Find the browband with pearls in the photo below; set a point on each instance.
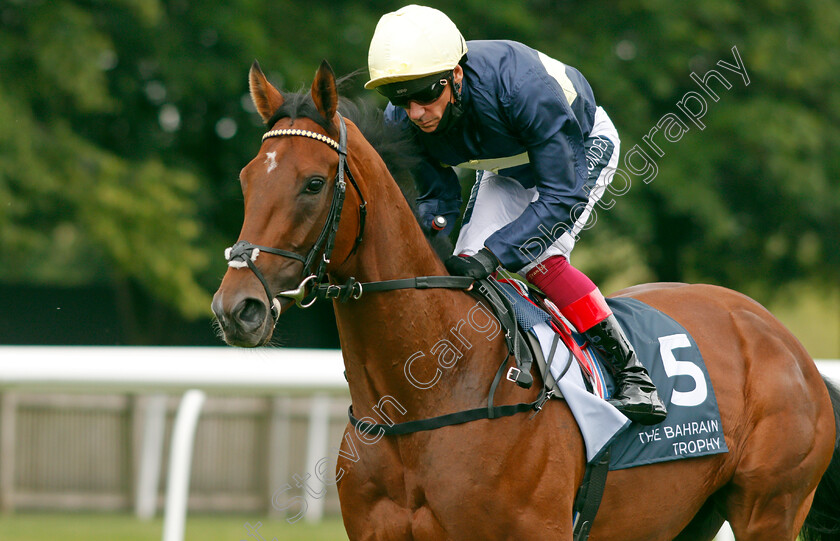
(303, 133)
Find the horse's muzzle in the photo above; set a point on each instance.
(247, 323)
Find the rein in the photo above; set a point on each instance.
(244, 253)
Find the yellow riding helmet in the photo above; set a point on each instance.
(413, 42)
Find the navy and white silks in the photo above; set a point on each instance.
(544, 150)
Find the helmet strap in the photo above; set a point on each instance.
(453, 110)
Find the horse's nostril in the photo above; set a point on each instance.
(251, 313)
(218, 309)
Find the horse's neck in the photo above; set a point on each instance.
(450, 360)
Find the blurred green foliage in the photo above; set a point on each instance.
(124, 124)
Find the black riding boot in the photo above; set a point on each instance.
(635, 394)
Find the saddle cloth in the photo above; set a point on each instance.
(672, 358)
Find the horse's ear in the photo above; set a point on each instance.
(324, 91)
(267, 99)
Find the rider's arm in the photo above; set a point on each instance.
(438, 189)
(537, 111)
(439, 194)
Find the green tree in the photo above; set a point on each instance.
(751, 200)
(75, 209)
(124, 124)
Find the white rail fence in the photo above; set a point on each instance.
(156, 371)
(29, 375)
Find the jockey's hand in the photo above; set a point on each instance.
(478, 266)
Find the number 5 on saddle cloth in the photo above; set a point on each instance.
(692, 427)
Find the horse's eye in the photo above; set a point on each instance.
(315, 185)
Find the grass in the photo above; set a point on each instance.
(124, 527)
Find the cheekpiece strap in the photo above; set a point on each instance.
(244, 253)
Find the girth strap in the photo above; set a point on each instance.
(588, 498)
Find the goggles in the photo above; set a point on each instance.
(423, 91)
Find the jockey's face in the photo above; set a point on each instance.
(428, 116)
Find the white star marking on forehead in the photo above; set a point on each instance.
(271, 160)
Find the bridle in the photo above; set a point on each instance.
(245, 253)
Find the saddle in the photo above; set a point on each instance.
(533, 330)
(519, 307)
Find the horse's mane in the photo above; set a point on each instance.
(399, 151)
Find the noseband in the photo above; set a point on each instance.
(244, 253)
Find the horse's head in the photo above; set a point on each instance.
(291, 191)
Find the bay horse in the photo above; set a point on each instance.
(513, 477)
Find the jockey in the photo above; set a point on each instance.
(544, 153)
